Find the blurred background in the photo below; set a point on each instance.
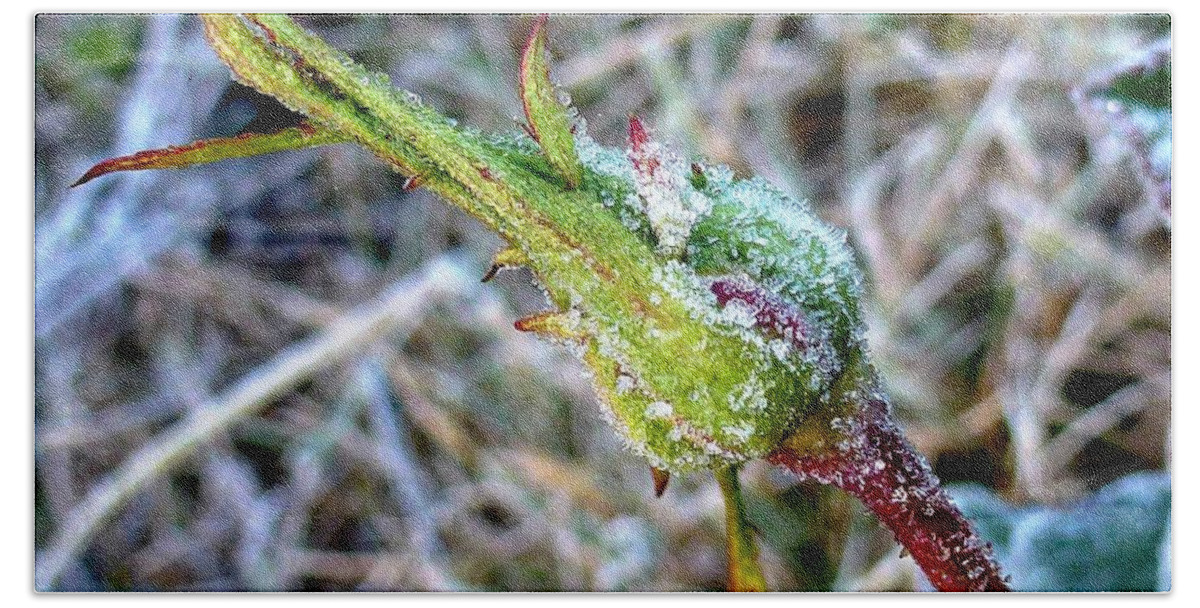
(196, 428)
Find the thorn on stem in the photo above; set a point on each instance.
(646, 161)
(551, 324)
(491, 273)
(412, 183)
(528, 130)
(509, 257)
(637, 133)
(661, 478)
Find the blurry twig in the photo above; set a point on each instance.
(1059, 451)
(401, 305)
(408, 482)
(91, 242)
(622, 51)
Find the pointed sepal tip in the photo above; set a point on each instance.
(546, 114)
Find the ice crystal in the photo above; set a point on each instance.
(668, 200)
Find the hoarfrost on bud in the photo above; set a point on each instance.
(659, 409)
(736, 331)
(661, 180)
(625, 383)
(740, 433)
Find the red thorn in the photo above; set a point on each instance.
(491, 273)
(530, 323)
(486, 173)
(645, 162)
(528, 131)
(412, 183)
(91, 174)
(661, 478)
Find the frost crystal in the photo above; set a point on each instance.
(659, 409)
(740, 433)
(625, 383)
(669, 202)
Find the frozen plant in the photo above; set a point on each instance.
(719, 318)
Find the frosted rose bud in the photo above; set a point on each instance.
(747, 327)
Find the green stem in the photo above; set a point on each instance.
(740, 547)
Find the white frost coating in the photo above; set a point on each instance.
(625, 383)
(611, 162)
(659, 409)
(740, 433)
(784, 248)
(740, 231)
(737, 312)
(753, 395)
(818, 361)
(669, 201)
(782, 349)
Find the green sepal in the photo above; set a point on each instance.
(547, 115)
(214, 150)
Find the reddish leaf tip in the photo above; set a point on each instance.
(91, 174)
(212, 150)
(537, 31)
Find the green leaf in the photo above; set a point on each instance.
(547, 115)
(1111, 541)
(214, 150)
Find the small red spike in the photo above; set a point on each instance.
(645, 162)
(661, 478)
(637, 133)
(412, 183)
(491, 273)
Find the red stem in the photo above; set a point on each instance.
(878, 466)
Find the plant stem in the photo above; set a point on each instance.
(740, 548)
(879, 467)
